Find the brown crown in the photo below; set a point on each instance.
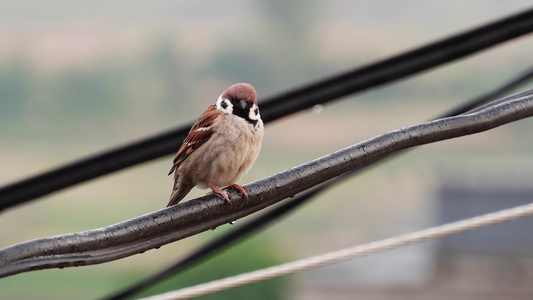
(241, 91)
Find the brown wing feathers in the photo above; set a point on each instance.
(199, 134)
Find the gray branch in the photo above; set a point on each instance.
(189, 218)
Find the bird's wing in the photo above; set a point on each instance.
(200, 133)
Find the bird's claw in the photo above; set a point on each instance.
(226, 195)
(241, 189)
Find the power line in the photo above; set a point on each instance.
(246, 229)
(155, 229)
(348, 253)
(221, 242)
(276, 107)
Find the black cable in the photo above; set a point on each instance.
(275, 107)
(494, 94)
(403, 65)
(281, 210)
(218, 244)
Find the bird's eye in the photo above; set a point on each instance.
(242, 104)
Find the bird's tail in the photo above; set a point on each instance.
(177, 195)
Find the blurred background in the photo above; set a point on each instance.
(78, 78)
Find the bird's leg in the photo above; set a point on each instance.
(225, 195)
(241, 189)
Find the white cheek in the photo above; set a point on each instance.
(229, 106)
(252, 115)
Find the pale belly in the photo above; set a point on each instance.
(225, 163)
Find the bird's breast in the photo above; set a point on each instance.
(229, 154)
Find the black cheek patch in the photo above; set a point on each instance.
(243, 112)
(224, 104)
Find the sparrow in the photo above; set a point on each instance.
(221, 146)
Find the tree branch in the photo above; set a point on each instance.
(174, 223)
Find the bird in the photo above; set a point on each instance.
(221, 146)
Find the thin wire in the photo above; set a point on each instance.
(223, 241)
(494, 94)
(348, 253)
(379, 73)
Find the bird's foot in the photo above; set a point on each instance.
(225, 195)
(241, 189)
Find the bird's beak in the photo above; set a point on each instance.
(242, 104)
